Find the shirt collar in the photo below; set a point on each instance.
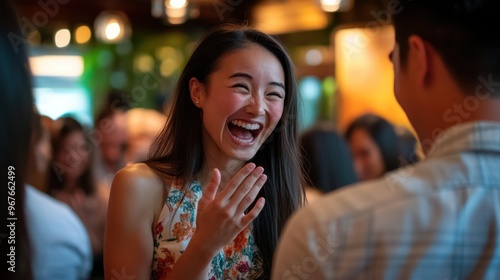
(474, 136)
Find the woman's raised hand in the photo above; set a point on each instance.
(222, 216)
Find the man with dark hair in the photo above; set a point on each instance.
(440, 218)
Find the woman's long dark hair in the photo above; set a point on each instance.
(16, 122)
(86, 182)
(178, 150)
(383, 134)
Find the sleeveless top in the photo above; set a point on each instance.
(176, 224)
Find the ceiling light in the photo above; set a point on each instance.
(82, 34)
(176, 11)
(330, 5)
(62, 38)
(112, 27)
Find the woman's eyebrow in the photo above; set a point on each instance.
(248, 76)
(241, 74)
(277, 84)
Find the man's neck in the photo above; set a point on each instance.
(463, 109)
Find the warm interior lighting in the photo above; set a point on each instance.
(112, 27)
(62, 38)
(176, 16)
(289, 16)
(365, 74)
(167, 67)
(177, 4)
(176, 11)
(330, 5)
(57, 65)
(313, 57)
(144, 63)
(113, 30)
(83, 34)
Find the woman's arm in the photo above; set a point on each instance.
(136, 195)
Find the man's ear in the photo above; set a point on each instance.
(197, 92)
(419, 53)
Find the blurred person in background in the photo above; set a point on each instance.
(409, 149)
(143, 125)
(440, 217)
(61, 246)
(374, 146)
(50, 241)
(39, 161)
(327, 162)
(112, 137)
(71, 181)
(17, 104)
(71, 171)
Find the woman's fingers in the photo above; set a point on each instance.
(239, 193)
(246, 199)
(248, 218)
(246, 186)
(224, 212)
(236, 181)
(210, 190)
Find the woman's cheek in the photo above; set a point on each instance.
(276, 113)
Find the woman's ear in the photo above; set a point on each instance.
(197, 92)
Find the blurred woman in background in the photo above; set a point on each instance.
(374, 146)
(71, 181)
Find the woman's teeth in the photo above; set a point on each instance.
(246, 125)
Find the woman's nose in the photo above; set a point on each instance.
(255, 106)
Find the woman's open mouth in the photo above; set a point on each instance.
(244, 132)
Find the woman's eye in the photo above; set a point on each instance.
(275, 94)
(241, 86)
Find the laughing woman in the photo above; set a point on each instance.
(224, 173)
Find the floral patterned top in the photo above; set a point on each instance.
(240, 259)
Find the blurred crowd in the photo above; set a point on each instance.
(370, 147)
(76, 164)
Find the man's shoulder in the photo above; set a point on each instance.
(51, 215)
(39, 203)
(61, 245)
(366, 197)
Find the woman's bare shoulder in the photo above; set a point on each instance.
(139, 175)
(139, 186)
(138, 170)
